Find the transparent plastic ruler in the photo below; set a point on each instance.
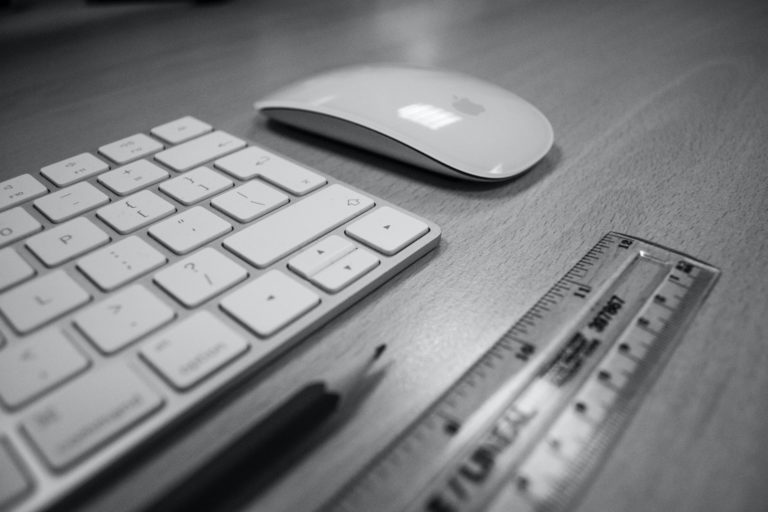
(528, 425)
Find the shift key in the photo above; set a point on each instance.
(89, 412)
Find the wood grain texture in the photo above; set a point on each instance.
(660, 111)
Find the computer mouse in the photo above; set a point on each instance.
(443, 121)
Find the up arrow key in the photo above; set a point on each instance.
(320, 255)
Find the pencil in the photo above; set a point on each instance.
(285, 425)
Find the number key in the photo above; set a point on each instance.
(130, 148)
(19, 189)
(73, 169)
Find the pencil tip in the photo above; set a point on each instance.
(351, 379)
(379, 350)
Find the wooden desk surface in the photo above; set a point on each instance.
(660, 111)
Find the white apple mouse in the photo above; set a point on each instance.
(443, 121)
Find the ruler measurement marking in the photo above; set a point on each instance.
(677, 282)
(574, 282)
(572, 351)
(644, 324)
(665, 306)
(612, 424)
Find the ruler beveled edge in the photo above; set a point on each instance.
(653, 369)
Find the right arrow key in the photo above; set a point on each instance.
(387, 230)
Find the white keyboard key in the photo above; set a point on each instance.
(67, 241)
(14, 482)
(136, 211)
(19, 189)
(88, 412)
(44, 298)
(16, 223)
(254, 161)
(71, 201)
(198, 151)
(199, 277)
(189, 230)
(123, 318)
(132, 177)
(195, 185)
(73, 169)
(246, 163)
(249, 201)
(288, 229)
(181, 129)
(270, 302)
(13, 269)
(130, 148)
(193, 349)
(123, 261)
(387, 230)
(311, 261)
(37, 364)
(291, 177)
(345, 271)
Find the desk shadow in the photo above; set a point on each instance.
(518, 184)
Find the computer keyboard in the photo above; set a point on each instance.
(138, 280)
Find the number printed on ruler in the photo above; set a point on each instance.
(550, 396)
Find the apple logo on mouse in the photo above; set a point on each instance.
(467, 106)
